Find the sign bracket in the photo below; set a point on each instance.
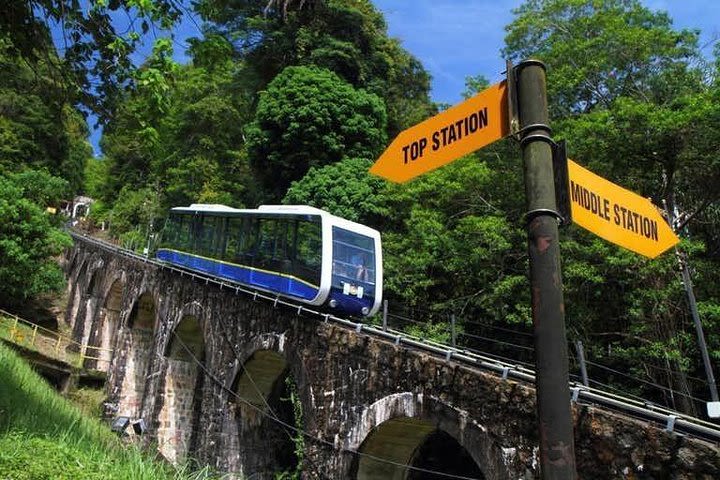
(512, 102)
(560, 172)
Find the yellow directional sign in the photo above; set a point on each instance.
(616, 214)
(449, 135)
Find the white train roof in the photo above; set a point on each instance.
(281, 209)
(218, 208)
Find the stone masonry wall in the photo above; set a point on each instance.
(349, 385)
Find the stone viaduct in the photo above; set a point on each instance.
(241, 384)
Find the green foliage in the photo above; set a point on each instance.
(187, 147)
(38, 127)
(135, 209)
(309, 117)
(29, 236)
(348, 38)
(44, 436)
(97, 57)
(344, 188)
(298, 437)
(436, 332)
(96, 173)
(599, 51)
(452, 241)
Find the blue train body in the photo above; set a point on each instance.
(298, 252)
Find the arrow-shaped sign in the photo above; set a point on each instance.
(447, 136)
(616, 214)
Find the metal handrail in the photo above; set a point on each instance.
(52, 335)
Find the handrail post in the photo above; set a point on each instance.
(581, 360)
(34, 334)
(13, 329)
(452, 329)
(385, 314)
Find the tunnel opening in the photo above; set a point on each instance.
(406, 448)
(268, 415)
(442, 453)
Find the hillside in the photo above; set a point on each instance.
(42, 435)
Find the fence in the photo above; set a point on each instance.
(51, 343)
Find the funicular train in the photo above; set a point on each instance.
(299, 252)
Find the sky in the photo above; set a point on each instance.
(455, 39)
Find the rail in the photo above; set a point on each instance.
(670, 420)
(48, 342)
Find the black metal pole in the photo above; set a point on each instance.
(557, 450)
(688, 285)
(689, 291)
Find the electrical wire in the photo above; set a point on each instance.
(317, 440)
(522, 347)
(661, 387)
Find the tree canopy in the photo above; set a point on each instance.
(309, 117)
(292, 100)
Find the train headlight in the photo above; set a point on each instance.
(332, 303)
(365, 310)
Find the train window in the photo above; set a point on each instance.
(183, 239)
(265, 242)
(207, 231)
(171, 232)
(177, 232)
(280, 253)
(232, 239)
(353, 257)
(308, 250)
(218, 246)
(249, 239)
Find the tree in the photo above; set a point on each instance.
(344, 188)
(348, 38)
(96, 59)
(453, 241)
(29, 236)
(309, 117)
(599, 51)
(38, 128)
(626, 90)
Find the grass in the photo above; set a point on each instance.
(88, 400)
(43, 436)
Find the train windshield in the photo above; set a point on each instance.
(353, 260)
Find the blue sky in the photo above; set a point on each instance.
(457, 38)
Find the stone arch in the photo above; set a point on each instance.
(71, 257)
(261, 412)
(107, 323)
(89, 299)
(94, 286)
(407, 429)
(178, 416)
(138, 336)
(75, 290)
